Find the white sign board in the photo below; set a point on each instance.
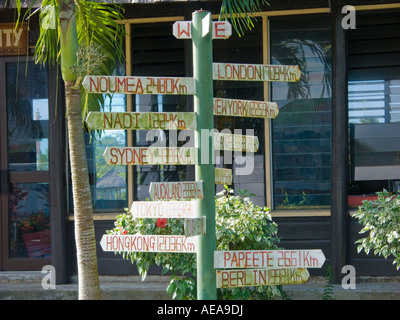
(236, 278)
(275, 259)
(220, 29)
(164, 209)
(255, 72)
(223, 176)
(141, 120)
(195, 226)
(148, 243)
(235, 142)
(150, 156)
(176, 190)
(245, 108)
(139, 85)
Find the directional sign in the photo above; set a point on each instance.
(223, 176)
(150, 156)
(245, 108)
(139, 85)
(255, 72)
(141, 120)
(164, 209)
(195, 226)
(275, 259)
(148, 243)
(235, 142)
(176, 190)
(221, 29)
(260, 277)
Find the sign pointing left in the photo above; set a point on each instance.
(139, 85)
(141, 120)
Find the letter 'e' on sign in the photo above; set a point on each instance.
(220, 29)
(13, 41)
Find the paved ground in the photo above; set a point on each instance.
(27, 286)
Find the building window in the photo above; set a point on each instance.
(248, 167)
(374, 106)
(301, 133)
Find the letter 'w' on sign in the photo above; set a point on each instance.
(220, 29)
(255, 72)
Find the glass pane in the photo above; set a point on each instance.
(27, 111)
(248, 167)
(29, 220)
(301, 133)
(109, 183)
(374, 134)
(157, 53)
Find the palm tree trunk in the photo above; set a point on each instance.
(88, 279)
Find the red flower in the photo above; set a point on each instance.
(124, 232)
(161, 222)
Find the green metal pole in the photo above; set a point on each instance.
(203, 106)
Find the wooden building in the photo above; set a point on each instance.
(334, 143)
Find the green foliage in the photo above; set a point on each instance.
(328, 288)
(241, 13)
(240, 225)
(381, 218)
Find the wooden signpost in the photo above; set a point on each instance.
(148, 243)
(275, 259)
(176, 190)
(163, 209)
(139, 85)
(141, 120)
(237, 278)
(245, 108)
(150, 156)
(269, 268)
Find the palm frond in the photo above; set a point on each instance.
(241, 13)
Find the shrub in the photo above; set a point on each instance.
(240, 225)
(381, 218)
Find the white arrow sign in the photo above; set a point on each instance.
(141, 120)
(223, 176)
(274, 259)
(176, 190)
(164, 209)
(235, 142)
(150, 156)
(260, 277)
(220, 29)
(245, 108)
(255, 72)
(139, 85)
(148, 243)
(195, 226)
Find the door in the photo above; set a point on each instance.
(24, 165)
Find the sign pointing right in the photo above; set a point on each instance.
(276, 259)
